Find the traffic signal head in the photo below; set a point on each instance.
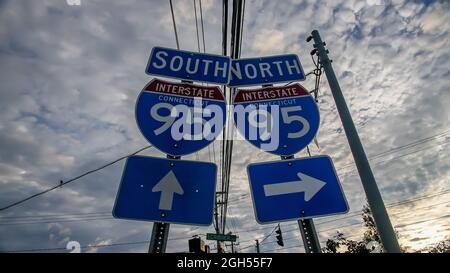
(279, 237)
(196, 245)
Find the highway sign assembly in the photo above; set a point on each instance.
(295, 189)
(180, 118)
(191, 66)
(221, 237)
(280, 120)
(266, 70)
(167, 190)
(183, 118)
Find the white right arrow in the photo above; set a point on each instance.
(168, 186)
(307, 184)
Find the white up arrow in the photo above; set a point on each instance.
(307, 184)
(168, 186)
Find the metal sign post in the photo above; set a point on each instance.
(380, 215)
(160, 232)
(307, 229)
(309, 236)
(158, 240)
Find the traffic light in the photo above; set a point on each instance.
(279, 236)
(197, 245)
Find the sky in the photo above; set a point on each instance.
(71, 74)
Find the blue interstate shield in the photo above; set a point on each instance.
(280, 120)
(180, 118)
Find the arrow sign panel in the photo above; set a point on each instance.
(295, 189)
(166, 190)
(307, 184)
(168, 186)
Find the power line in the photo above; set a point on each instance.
(242, 29)
(81, 247)
(262, 243)
(90, 246)
(289, 247)
(404, 202)
(62, 183)
(415, 143)
(233, 223)
(204, 51)
(422, 221)
(59, 221)
(268, 235)
(196, 25)
(243, 198)
(359, 223)
(398, 148)
(400, 156)
(300, 245)
(52, 215)
(97, 246)
(418, 199)
(203, 28)
(403, 147)
(242, 248)
(228, 140)
(356, 213)
(174, 25)
(237, 20)
(224, 131)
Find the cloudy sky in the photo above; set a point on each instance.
(70, 76)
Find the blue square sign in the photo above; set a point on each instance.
(167, 190)
(295, 189)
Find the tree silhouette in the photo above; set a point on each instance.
(441, 247)
(370, 242)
